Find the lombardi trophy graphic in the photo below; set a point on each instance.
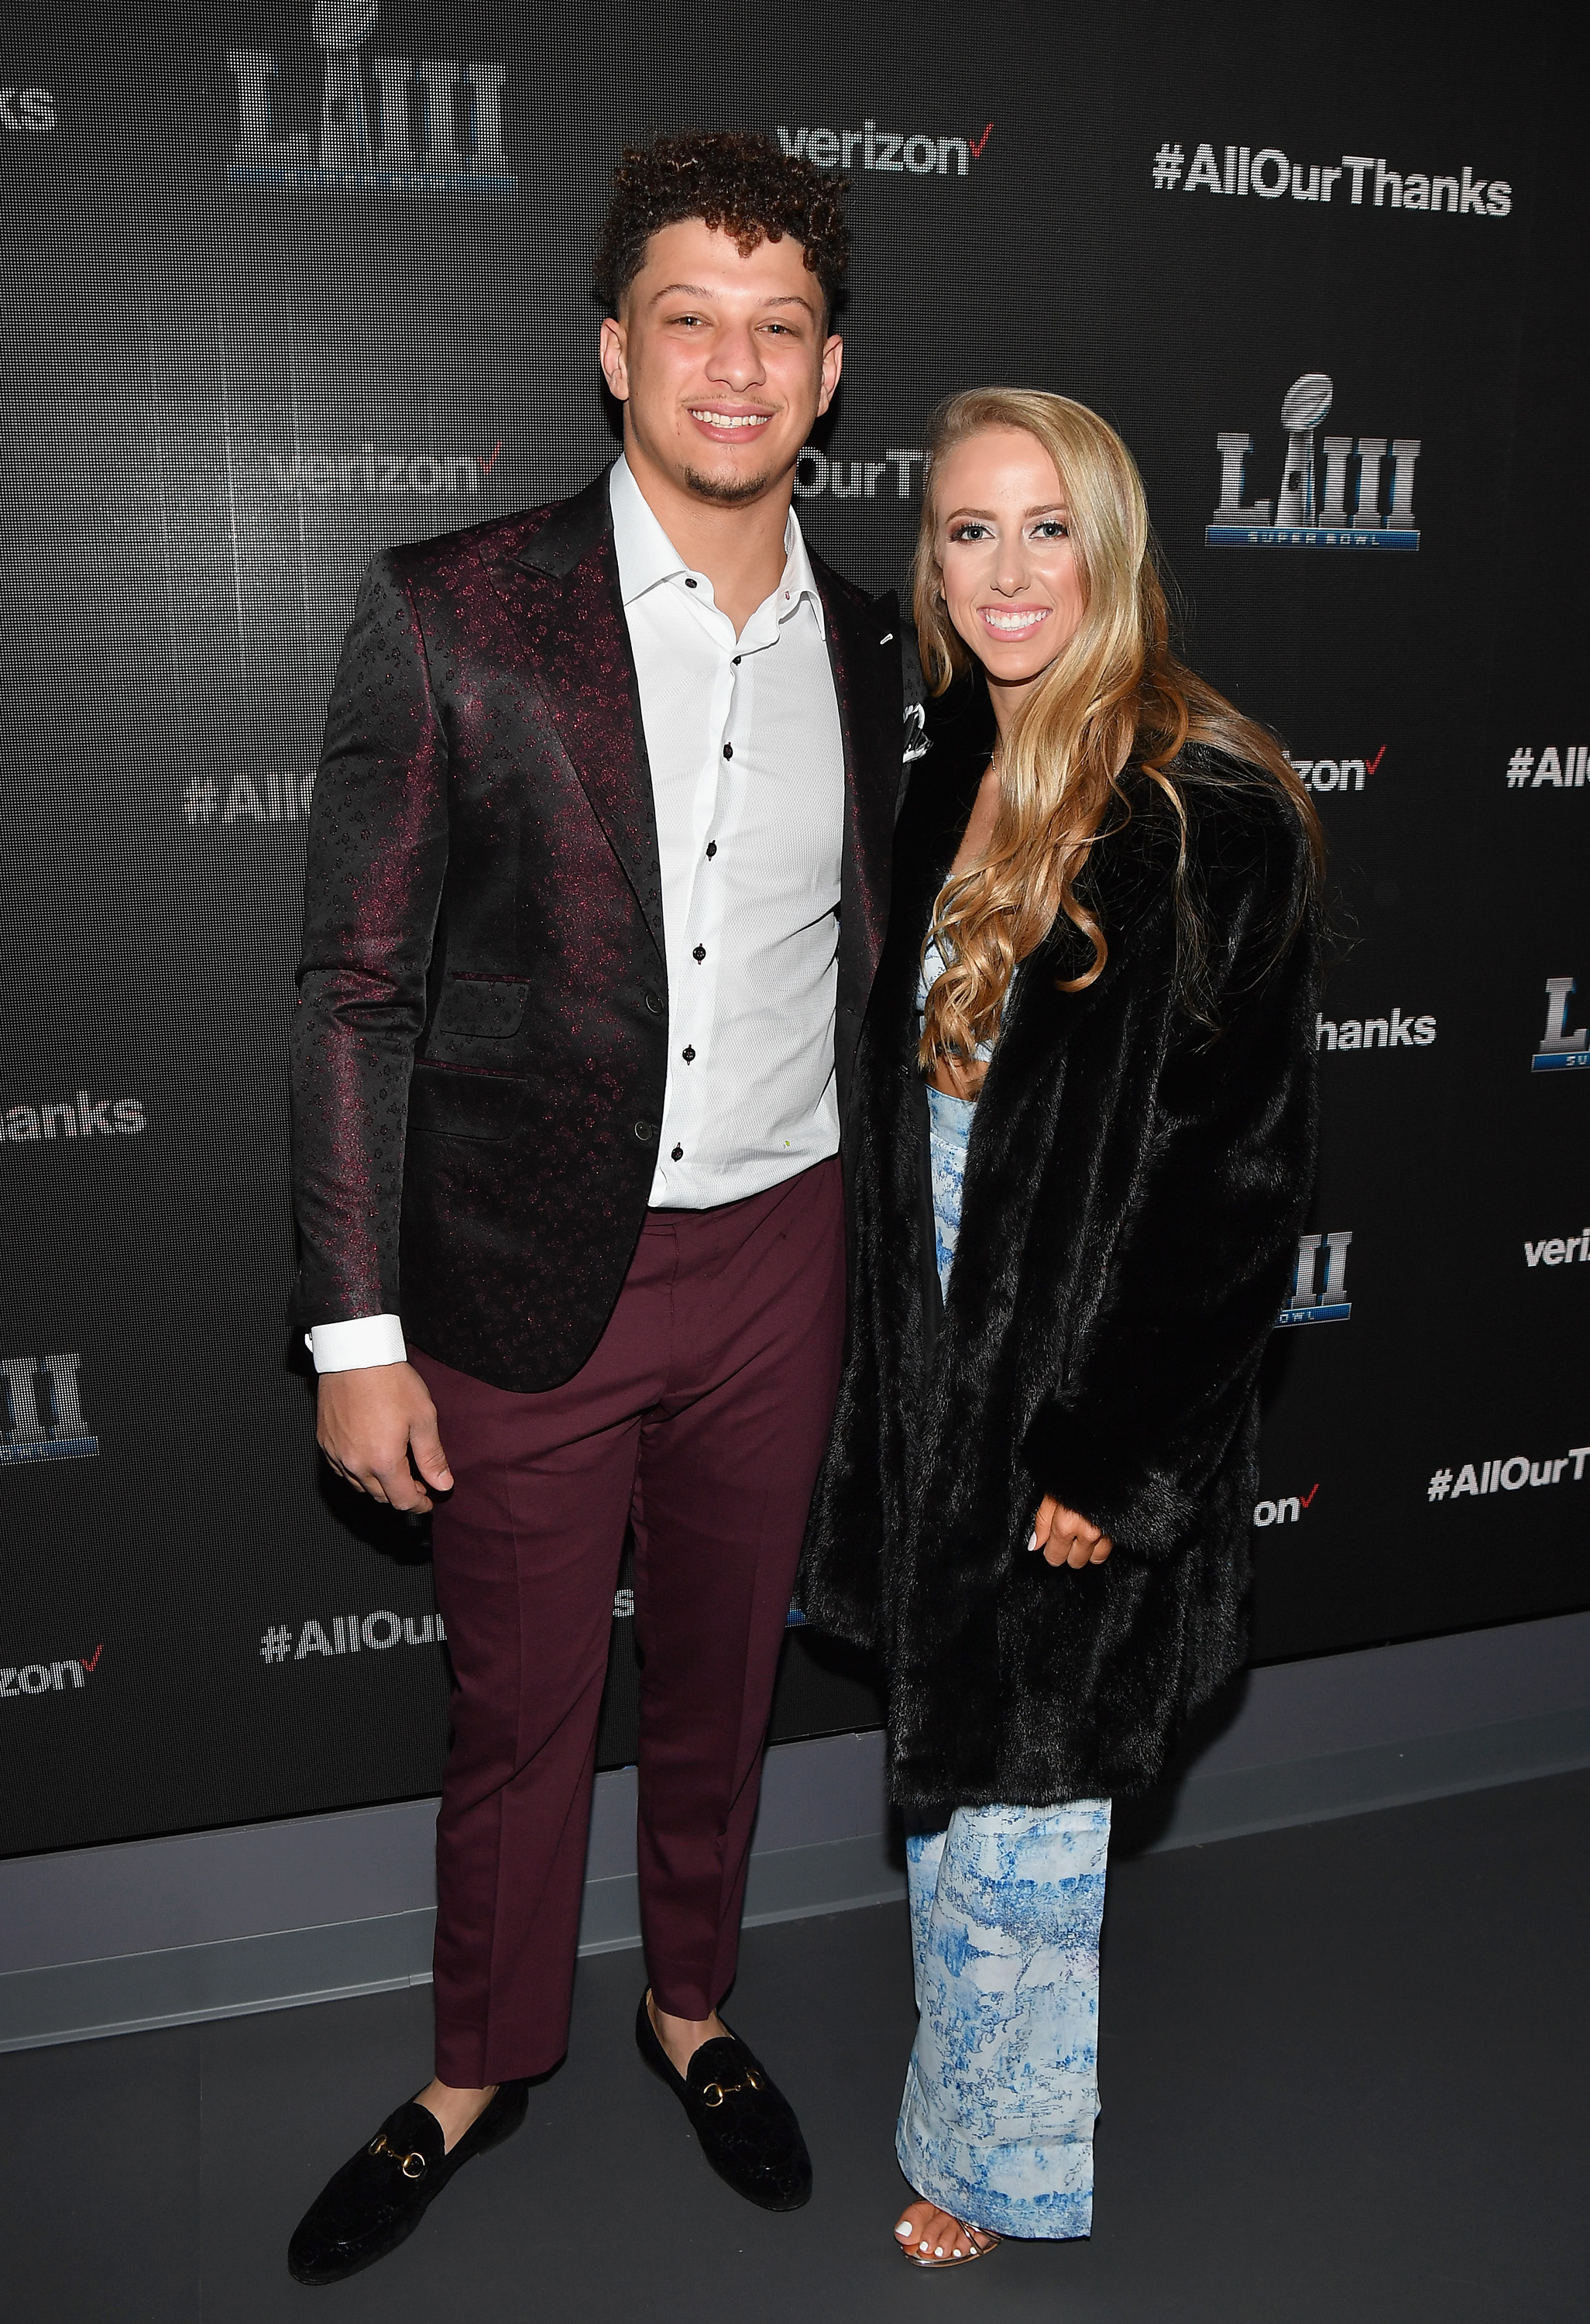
(1305, 405)
(1310, 511)
(388, 124)
(344, 24)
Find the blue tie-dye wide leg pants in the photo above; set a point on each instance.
(1002, 2090)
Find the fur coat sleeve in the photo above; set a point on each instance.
(1186, 1292)
(1135, 1187)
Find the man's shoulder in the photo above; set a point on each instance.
(557, 532)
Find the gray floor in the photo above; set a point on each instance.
(1343, 2072)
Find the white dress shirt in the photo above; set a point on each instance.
(747, 784)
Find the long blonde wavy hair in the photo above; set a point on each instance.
(1114, 692)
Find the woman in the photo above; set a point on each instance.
(1081, 1143)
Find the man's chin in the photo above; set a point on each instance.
(728, 489)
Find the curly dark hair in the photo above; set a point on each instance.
(734, 180)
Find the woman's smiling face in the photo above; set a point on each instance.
(1012, 583)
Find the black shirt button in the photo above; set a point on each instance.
(677, 1155)
(689, 1056)
(645, 1131)
(736, 661)
(689, 583)
(700, 953)
(727, 750)
(711, 849)
(654, 1004)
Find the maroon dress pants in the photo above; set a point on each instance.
(700, 1419)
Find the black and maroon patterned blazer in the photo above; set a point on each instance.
(480, 1045)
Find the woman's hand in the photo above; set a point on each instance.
(1066, 1537)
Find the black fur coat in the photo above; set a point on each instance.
(1133, 1192)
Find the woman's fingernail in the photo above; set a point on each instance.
(1032, 1545)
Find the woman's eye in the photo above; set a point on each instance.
(1053, 528)
(968, 530)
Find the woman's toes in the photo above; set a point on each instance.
(912, 2228)
(928, 2233)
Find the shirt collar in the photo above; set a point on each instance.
(647, 556)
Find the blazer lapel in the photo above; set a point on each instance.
(564, 588)
(864, 651)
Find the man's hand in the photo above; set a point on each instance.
(370, 1422)
(1065, 1538)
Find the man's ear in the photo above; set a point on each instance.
(615, 357)
(832, 363)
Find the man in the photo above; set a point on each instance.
(597, 882)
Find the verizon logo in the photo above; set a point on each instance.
(1557, 1250)
(917, 155)
(382, 475)
(47, 1678)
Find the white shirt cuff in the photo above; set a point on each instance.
(350, 1347)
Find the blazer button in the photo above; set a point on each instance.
(654, 1004)
(646, 1131)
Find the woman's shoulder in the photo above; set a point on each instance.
(1231, 815)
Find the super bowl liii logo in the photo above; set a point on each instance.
(386, 125)
(1561, 1051)
(41, 1414)
(1310, 510)
(1311, 1301)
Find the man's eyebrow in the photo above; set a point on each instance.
(695, 290)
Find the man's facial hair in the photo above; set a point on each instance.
(729, 492)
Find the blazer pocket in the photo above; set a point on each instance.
(482, 1008)
(477, 1101)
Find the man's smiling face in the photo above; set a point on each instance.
(722, 362)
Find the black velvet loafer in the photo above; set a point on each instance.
(379, 2198)
(747, 2127)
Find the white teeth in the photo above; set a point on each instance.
(1013, 623)
(732, 419)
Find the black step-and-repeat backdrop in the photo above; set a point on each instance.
(287, 282)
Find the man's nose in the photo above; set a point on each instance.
(736, 358)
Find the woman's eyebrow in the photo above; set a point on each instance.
(1043, 508)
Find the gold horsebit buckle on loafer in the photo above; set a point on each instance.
(413, 2164)
(713, 2094)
